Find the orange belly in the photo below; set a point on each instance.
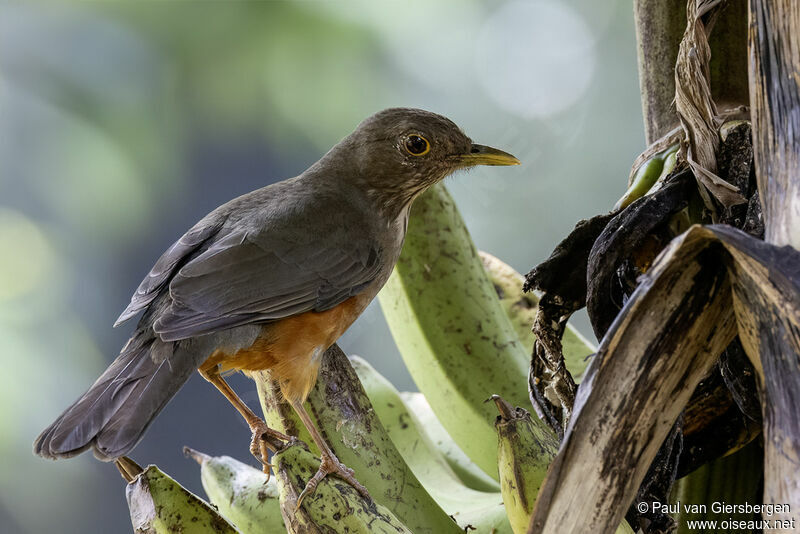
(291, 349)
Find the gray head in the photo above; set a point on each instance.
(398, 153)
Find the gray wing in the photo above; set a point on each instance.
(169, 262)
(267, 274)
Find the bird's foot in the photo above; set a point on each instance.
(264, 441)
(332, 466)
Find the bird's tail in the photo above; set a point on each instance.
(114, 413)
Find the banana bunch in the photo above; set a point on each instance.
(433, 461)
(456, 339)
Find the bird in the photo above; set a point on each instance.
(269, 281)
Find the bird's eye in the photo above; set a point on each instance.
(416, 145)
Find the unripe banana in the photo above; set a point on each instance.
(159, 505)
(480, 510)
(648, 174)
(241, 493)
(470, 474)
(523, 456)
(670, 160)
(521, 310)
(454, 336)
(519, 307)
(335, 506)
(344, 415)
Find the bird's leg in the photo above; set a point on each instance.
(330, 464)
(264, 439)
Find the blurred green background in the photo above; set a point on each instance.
(123, 123)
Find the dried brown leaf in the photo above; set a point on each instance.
(708, 284)
(696, 108)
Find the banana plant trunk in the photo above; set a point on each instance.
(706, 67)
(774, 43)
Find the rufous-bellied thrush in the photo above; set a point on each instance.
(270, 280)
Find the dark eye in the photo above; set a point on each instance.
(416, 145)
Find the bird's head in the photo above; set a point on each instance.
(397, 153)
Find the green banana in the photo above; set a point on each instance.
(519, 307)
(453, 334)
(159, 505)
(241, 493)
(335, 506)
(648, 174)
(521, 310)
(470, 474)
(670, 160)
(523, 456)
(345, 416)
(480, 510)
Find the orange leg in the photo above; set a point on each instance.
(265, 439)
(330, 464)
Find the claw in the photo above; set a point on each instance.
(264, 441)
(331, 465)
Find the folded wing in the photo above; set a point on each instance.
(264, 276)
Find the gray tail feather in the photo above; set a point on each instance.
(114, 413)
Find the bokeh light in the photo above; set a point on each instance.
(29, 257)
(535, 57)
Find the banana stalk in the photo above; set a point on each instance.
(453, 334)
(521, 309)
(335, 506)
(346, 418)
(523, 456)
(159, 505)
(478, 510)
(241, 493)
